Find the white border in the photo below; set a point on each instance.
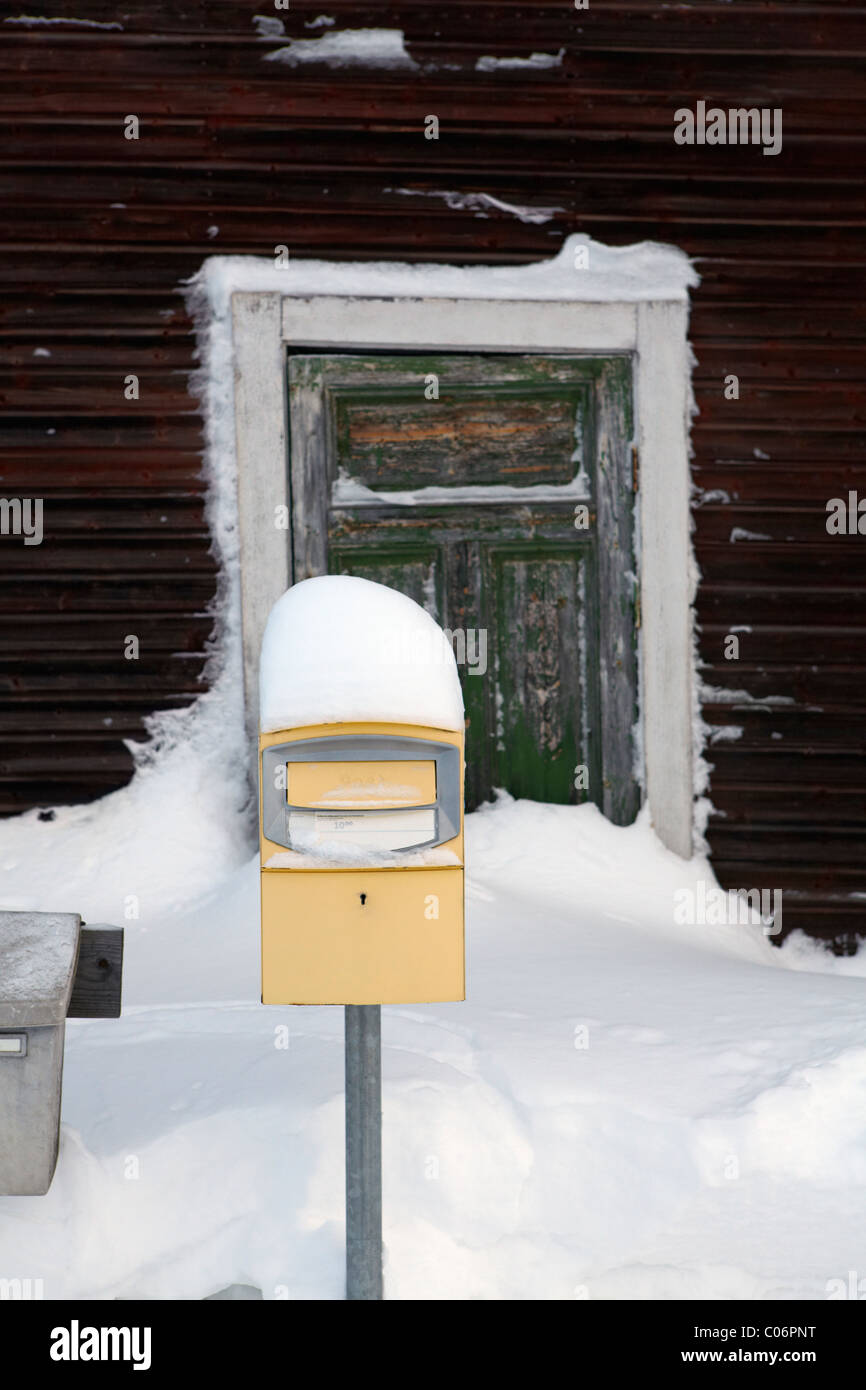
(635, 302)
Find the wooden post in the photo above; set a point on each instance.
(98, 973)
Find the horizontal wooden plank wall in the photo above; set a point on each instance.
(238, 153)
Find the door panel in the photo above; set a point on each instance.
(466, 502)
(541, 721)
(416, 573)
(471, 436)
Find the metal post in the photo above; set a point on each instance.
(363, 1151)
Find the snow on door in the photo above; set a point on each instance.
(498, 492)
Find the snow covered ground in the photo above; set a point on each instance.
(624, 1107)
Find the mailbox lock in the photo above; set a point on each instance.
(13, 1044)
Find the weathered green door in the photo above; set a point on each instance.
(496, 490)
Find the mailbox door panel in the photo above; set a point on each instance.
(362, 936)
(498, 492)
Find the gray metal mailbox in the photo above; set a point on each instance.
(38, 959)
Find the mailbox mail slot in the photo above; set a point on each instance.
(355, 785)
(362, 864)
(319, 766)
(384, 830)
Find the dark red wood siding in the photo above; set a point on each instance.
(238, 154)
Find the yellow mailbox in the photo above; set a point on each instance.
(361, 829)
(391, 930)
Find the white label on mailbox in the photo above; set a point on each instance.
(14, 1046)
(383, 830)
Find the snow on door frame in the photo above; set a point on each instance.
(588, 299)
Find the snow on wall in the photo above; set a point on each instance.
(539, 62)
(38, 21)
(702, 768)
(640, 273)
(364, 48)
(480, 203)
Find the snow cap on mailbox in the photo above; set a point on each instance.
(361, 777)
(339, 649)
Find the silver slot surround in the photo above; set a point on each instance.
(362, 748)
